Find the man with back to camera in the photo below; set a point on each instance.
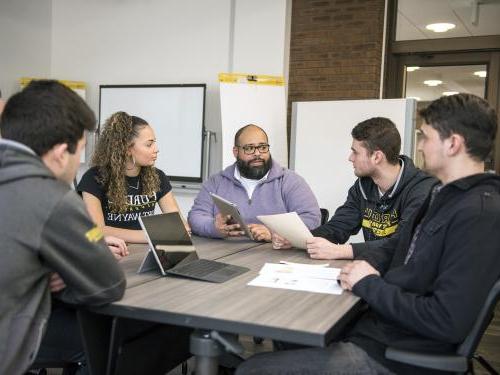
(425, 294)
(48, 242)
(389, 190)
(258, 185)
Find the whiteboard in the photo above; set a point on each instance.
(175, 112)
(263, 105)
(321, 142)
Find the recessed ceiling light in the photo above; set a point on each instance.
(448, 93)
(481, 73)
(440, 27)
(433, 82)
(412, 68)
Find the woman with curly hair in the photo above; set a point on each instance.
(122, 183)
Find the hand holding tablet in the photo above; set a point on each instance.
(229, 220)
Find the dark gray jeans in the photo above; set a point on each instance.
(338, 358)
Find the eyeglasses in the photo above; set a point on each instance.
(250, 149)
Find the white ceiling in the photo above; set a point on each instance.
(455, 78)
(414, 15)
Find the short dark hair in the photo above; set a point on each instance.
(241, 130)
(467, 115)
(44, 114)
(379, 133)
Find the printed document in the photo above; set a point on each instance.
(304, 277)
(289, 226)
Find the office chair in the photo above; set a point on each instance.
(39, 368)
(461, 361)
(324, 215)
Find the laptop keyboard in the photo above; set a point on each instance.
(199, 268)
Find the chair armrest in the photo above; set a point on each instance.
(433, 361)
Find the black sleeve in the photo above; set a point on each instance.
(74, 247)
(89, 184)
(165, 186)
(345, 222)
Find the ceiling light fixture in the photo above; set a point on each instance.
(433, 82)
(440, 27)
(448, 93)
(412, 68)
(481, 73)
(417, 98)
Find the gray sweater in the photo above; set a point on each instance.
(44, 228)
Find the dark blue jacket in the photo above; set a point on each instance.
(431, 303)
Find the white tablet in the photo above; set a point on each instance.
(229, 208)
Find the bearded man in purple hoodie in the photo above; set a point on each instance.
(258, 185)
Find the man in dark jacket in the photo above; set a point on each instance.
(426, 292)
(48, 242)
(387, 193)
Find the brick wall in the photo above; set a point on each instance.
(335, 50)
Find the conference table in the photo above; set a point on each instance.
(232, 307)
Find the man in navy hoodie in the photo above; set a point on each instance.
(424, 289)
(388, 192)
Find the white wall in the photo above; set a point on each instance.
(141, 42)
(25, 29)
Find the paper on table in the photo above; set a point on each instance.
(297, 283)
(300, 270)
(289, 226)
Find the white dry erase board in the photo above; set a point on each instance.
(176, 113)
(321, 141)
(253, 99)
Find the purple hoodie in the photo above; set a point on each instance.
(283, 191)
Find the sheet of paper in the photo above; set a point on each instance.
(300, 270)
(289, 226)
(297, 283)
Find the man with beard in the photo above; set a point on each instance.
(425, 294)
(387, 193)
(258, 185)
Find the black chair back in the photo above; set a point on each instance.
(469, 345)
(324, 215)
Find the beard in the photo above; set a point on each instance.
(254, 172)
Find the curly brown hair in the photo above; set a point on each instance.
(110, 157)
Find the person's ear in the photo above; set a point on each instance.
(235, 151)
(454, 144)
(378, 156)
(60, 154)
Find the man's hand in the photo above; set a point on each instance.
(223, 226)
(56, 284)
(280, 242)
(117, 246)
(355, 271)
(321, 248)
(260, 232)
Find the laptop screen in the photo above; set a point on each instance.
(168, 238)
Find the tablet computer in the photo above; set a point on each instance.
(229, 208)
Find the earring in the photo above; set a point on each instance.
(133, 160)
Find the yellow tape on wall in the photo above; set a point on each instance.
(251, 79)
(75, 85)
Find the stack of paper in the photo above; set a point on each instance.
(295, 276)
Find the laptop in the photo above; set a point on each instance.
(229, 208)
(172, 251)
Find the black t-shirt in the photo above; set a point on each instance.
(138, 204)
